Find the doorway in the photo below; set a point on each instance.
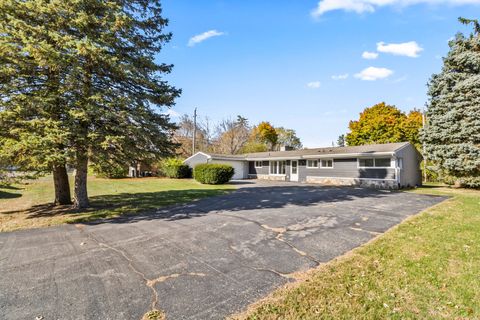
(294, 170)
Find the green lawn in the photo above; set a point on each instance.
(426, 268)
(28, 205)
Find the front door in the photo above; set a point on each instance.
(294, 170)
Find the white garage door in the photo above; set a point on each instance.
(238, 166)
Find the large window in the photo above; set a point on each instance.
(383, 162)
(277, 167)
(258, 164)
(374, 163)
(366, 163)
(326, 163)
(312, 164)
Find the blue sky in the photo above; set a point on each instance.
(304, 64)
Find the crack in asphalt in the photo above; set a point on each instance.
(279, 237)
(149, 283)
(160, 279)
(278, 273)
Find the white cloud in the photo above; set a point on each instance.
(373, 73)
(369, 55)
(362, 6)
(410, 49)
(204, 36)
(347, 5)
(340, 76)
(314, 84)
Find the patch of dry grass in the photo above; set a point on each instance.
(425, 268)
(29, 206)
(154, 315)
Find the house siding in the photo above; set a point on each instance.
(196, 159)
(410, 174)
(346, 168)
(239, 167)
(252, 171)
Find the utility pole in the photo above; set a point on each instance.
(423, 147)
(194, 130)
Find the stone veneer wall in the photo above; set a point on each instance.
(369, 183)
(267, 177)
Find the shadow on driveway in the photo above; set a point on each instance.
(250, 197)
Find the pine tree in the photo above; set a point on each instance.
(452, 135)
(341, 140)
(32, 106)
(105, 98)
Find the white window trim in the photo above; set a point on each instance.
(343, 178)
(374, 164)
(260, 166)
(291, 167)
(278, 165)
(318, 164)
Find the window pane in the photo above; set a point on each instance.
(312, 163)
(327, 163)
(366, 162)
(282, 167)
(382, 162)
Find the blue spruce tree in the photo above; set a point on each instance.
(452, 134)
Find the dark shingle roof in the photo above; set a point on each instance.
(365, 149)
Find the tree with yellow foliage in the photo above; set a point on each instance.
(383, 123)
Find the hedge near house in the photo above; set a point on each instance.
(209, 173)
(174, 168)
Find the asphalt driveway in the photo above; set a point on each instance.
(204, 260)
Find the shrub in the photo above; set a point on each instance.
(462, 182)
(175, 168)
(210, 173)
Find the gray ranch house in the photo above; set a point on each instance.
(389, 166)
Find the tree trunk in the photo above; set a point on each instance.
(61, 184)
(80, 198)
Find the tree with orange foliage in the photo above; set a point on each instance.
(383, 123)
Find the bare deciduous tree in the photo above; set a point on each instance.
(232, 135)
(184, 135)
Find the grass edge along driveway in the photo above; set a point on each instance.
(27, 206)
(425, 268)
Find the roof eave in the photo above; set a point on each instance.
(319, 156)
(227, 158)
